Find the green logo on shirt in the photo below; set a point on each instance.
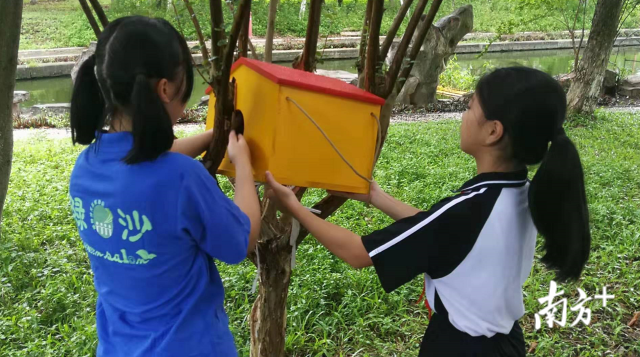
(101, 219)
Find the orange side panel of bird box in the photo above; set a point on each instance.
(284, 141)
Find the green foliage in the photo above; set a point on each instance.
(465, 79)
(62, 23)
(47, 299)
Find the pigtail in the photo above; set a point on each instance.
(558, 204)
(87, 105)
(151, 125)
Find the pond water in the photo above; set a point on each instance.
(58, 89)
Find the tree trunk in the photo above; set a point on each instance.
(100, 12)
(586, 88)
(268, 317)
(89, 15)
(271, 29)
(11, 18)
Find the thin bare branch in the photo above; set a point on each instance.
(181, 29)
(395, 26)
(271, 29)
(92, 20)
(370, 68)
(415, 50)
(398, 59)
(584, 19)
(104, 21)
(217, 36)
(196, 25)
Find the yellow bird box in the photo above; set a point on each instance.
(307, 130)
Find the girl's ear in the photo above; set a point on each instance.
(494, 131)
(162, 89)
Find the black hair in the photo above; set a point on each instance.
(130, 54)
(532, 107)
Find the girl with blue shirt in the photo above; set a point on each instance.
(476, 248)
(150, 217)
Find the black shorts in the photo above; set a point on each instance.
(443, 339)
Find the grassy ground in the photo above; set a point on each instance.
(61, 23)
(47, 297)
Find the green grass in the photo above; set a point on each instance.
(61, 23)
(47, 297)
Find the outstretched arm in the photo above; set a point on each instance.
(345, 244)
(193, 146)
(381, 200)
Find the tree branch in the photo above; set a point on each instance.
(100, 12)
(373, 47)
(243, 44)
(584, 17)
(415, 50)
(92, 20)
(196, 25)
(225, 94)
(217, 36)
(398, 59)
(362, 56)
(395, 26)
(175, 10)
(308, 60)
(271, 29)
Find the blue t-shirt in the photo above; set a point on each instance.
(151, 231)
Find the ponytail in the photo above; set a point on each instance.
(151, 125)
(532, 107)
(558, 204)
(87, 104)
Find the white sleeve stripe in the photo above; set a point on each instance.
(418, 226)
(494, 182)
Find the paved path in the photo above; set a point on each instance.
(22, 134)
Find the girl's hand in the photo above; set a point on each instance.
(366, 198)
(285, 198)
(238, 150)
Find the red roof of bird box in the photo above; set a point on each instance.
(305, 80)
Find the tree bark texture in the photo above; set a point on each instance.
(11, 18)
(587, 86)
(271, 30)
(92, 20)
(104, 21)
(268, 317)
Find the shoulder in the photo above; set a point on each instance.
(457, 222)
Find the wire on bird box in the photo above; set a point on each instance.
(378, 143)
